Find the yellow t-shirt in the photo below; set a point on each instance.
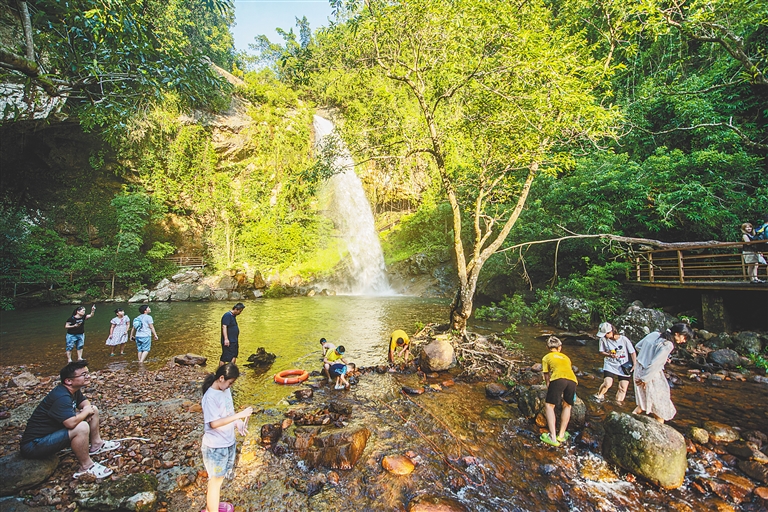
(332, 356)
(393, 340)
(558, 365)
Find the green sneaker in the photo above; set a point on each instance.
(564, 437)
(546, 439)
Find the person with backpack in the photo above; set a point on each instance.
(142, 331)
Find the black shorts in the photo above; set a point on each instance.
(561, 390)
(230, 352)
(606, 373)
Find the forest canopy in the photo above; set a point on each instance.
(645, 119)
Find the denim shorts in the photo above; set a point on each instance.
(219, 462)
(144, 344)
(75, 339)
(42, 447)
(338, 369)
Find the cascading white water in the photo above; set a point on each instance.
(350, 212)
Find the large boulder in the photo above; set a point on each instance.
(135, 493)
(725, 357)
(720, 432)
(437, 355)
(20, 473)
(747, 342)
(722, 340)
(188, 276)
(141, 296)
(572, 314)
(638, 322)
(334, 449)
(200, 292)
(530, 400)
(645, 448)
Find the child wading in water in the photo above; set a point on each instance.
(561, 387)
(118, 331)
(218, 444)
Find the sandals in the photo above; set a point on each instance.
(224, 507)
(96, 470)
(546, 439)
(338, 386)
(106, 447)
(564, 437)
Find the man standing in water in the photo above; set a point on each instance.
(142, 331)
(65, 418)
(230, 333)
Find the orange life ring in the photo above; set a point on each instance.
(283, 376)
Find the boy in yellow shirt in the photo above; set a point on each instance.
(561, 387)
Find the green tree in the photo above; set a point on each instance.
(491, 92)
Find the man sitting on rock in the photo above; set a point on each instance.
(65, 418)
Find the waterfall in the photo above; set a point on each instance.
(351, 214)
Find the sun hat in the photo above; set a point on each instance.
(604, 329)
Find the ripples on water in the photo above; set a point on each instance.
(511, 460)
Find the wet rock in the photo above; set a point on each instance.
(597, 469)
(136, 492)
(720, 433)
(495, 390)
(754, 470)
(531, 400)
(724, 490)
(747, 342)
(497, 412)
(548, 469)
(398, 464)
(260, 359)
(336, 449)
(23, 380)
(747, 451)
(190, 360)
(303, 394)
(755, 436)
(435, 504)
(530, 378)
(762, 494)
(698, 435)
(760, 379)
(646, 448)
(437, 355)
(271, 433)
(538, 367)
(413, 391)
(19, 473)
(725, 357)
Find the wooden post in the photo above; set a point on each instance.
(637, 267)
(680, 266)
(650, 267)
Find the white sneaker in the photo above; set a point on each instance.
(598, 398)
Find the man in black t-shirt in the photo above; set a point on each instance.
(230, 332)
(65, 418)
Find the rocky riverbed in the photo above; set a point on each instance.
(457, 445)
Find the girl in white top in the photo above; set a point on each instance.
(617, 350)
(118, 331)
(218, 444)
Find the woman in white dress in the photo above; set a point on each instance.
(651, 386)
(118, 331)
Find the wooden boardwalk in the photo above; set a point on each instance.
(713, 266)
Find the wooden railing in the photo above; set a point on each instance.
(714, 262)
(187, 261)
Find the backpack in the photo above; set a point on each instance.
(761, 233)
(137, 323)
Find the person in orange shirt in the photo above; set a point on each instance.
(561, 387)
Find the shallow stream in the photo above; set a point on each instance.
(509, 468)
